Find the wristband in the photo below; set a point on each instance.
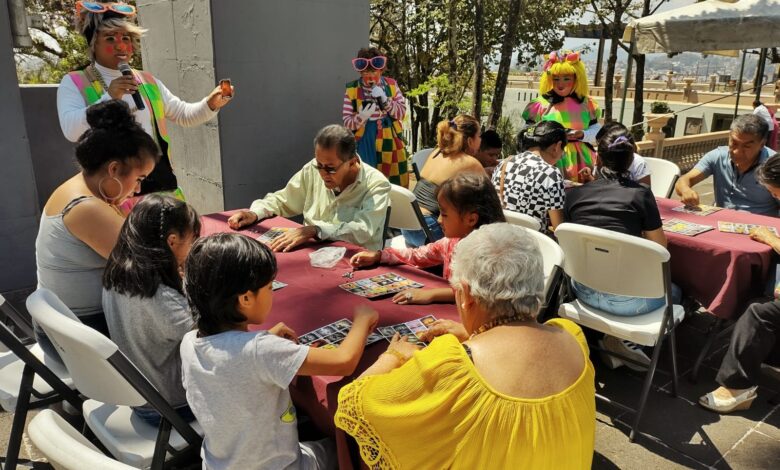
(397, 354)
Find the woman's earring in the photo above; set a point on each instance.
(110, 200)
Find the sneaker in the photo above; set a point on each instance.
(624, 348)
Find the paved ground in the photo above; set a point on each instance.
(675, 432)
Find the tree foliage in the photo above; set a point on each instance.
(431, 49)
(57, 47)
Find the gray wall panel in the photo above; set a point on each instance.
(53, 156)
(289, 61)
(18, 200)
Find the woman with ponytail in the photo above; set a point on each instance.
(457, 141)
(614, 202)
(81, 220)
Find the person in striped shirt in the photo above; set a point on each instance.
(373, 109)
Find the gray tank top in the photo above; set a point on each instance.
(425, 191)
(67, 266)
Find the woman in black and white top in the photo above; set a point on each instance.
(529, 183)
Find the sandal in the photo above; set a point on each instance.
(720, 405)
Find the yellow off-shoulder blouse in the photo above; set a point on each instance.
(437, 412)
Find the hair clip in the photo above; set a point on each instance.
(620, 140)
(453, 124)
(559, 57)
(162, 221)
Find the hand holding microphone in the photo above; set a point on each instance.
(129, 84)
(379, 94)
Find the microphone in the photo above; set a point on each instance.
(128, 72)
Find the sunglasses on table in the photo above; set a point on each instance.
(96, 7)
(379, 62)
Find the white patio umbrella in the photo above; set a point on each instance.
(712, 25)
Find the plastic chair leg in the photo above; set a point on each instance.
(646, 389)
(20, 416)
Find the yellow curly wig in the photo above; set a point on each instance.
(557, 65)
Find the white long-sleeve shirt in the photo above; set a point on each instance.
(73, 110)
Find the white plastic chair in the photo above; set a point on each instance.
(29, 378)
(114, 385)
(64, 447)
(663, 175)
(620, 264)
(418, 161)
(553, 260)
(405, 214)
(522, 220)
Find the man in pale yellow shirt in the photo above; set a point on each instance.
(340, 198)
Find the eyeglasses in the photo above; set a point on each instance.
(330, 169)
(379, 62)
(95, 7)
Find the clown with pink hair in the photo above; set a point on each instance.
(564, 98)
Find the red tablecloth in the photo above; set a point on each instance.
(723, 271)
(313, 299)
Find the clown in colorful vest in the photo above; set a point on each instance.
(113, 37)
(373, 109)
(564, 98)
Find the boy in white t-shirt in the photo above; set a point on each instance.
(237, 381)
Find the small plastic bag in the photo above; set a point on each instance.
(327, 257)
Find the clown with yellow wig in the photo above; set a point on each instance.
(113, 37)
(563, 98)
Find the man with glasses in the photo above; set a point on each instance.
(340, 197)
(373, 109)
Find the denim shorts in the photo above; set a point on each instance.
(415, 238)
(619, 304)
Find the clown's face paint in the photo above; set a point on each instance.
(370, 76)
(113, 47)
(563, 85)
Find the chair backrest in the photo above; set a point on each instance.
(612, 262)
(64, 447)
(663, 175)
(84, 350)
(405, 213)
(552, 254)
(420, 157)
(522, 220)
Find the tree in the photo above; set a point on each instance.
(57, 47)
(479, 58)
(507, 47)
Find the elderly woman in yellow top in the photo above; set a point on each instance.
(497, 391)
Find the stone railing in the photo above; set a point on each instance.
(684, 151)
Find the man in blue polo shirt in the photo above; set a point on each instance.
(733, 169)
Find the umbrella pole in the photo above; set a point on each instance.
(760, 73)
(739, 83)
(631, 51)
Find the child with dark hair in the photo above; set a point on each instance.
(466, 202)
(81, 220)
(489, 148)
(530, 183)
(638, 170)
(237, 380)
(143, 298)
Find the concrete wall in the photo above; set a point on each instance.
(18, 199)
(178, 50)
(53, 156)
(289, 61)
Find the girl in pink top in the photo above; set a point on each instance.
(466, 201)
